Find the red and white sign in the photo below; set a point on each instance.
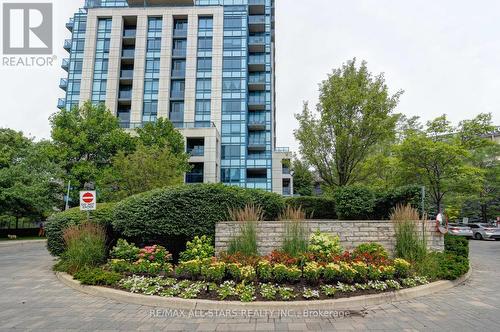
(87, 200)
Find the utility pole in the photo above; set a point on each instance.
(67, 196)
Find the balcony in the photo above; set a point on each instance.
(257, 63)
(130, 125)
(194, 178)
(128, 54)
(282, 150)
(61, 103)
(67, 44)
(257, 44)
(179, 95)
(257, 123)
(129, 33)
(63, 83)
(125, 95)
(127, 74)
(179, 53)
(257, 82)
(287, 191)
(161, 2)
(70, 25)
(196, 151)
(180, 33)
(257, 7)
(65, 64)
(257, 145)
(194, 125)
(257, 23)
(178, 73)
(256, 102)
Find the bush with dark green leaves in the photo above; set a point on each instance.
(58, 222)
(315, 207)
(354, 203)
(456, 245)
(385, 201)
(187, 211)
(97, 277)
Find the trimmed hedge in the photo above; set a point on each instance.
(187, 211)
(456, 245)
(386, 201)
(58, 222)
(315, 207)
(354, 203)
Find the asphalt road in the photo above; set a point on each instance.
(32, 299)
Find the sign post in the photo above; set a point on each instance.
(88, 201)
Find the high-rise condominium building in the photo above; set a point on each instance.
(207, 65)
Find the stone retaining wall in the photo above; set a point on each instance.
(351, 233)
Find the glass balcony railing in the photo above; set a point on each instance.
(257, 40)
(257, 180)
(61, 103)
(129, 33)
(257, 19)
(257, 59)
(180, 33)
(197, 151)
(179, 53)
(177, 94)
(65, 64)
(126, 95)
(194, 178)
(192, 125)
(128, 54)
(286, 170)
(287, 191)
(257, 79)
(257, 121)
(126, 74)
(130, 125)
(67, 44)
(282, 149)
(63, 83)
(256, 2)
(256, 99)
(70, 24)
(178, 73)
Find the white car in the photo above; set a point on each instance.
(485, 231)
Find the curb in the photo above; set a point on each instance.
(352, 303)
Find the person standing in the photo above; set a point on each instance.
(41, 230)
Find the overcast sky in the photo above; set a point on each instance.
(445, 54)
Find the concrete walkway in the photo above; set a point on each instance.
(32, 299)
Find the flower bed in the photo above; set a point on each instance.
(324, 272)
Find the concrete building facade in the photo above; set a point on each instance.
(207, 65)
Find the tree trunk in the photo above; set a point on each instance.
(17, 223)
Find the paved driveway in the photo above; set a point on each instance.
(31, 298)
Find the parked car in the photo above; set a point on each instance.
(485, 231)
(460, 230)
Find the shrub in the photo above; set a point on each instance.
(190, 269)
(58, 222)
(312, 272)
(85, 246)
(295, 237)
(402, 268)
(347, 272)
(362, 270)
(234, 270)
(265, 270)
(456, 245)
(246, 241)
(438, 265)
(281, 258)
(247, 273)
(386, 201)
(268, 291)
(409, 244)
(284, 273)
(324, 244)
(354, 203)
(373, 249)
(214, 272)
(198, 248)
(315, 207)
(331, 272)
(125, 251)
(187, 211)
(97, 277)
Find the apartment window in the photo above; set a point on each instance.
(154, 44)
(155, 24)
(205, 43)
(233, 64)
(150, 111)
(203, 85)
(178, 86)
(233, 43)
(232, 106)
(233, 23)
(230, 175)
(229, 84)
(205, 23)
(205, 64)
(153, 65)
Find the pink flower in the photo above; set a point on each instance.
(151, 257)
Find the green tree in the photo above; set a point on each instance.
(354, 114)
(86, 139)
(28, 177)
(303, 178)
(147, 168)
(162, 133)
